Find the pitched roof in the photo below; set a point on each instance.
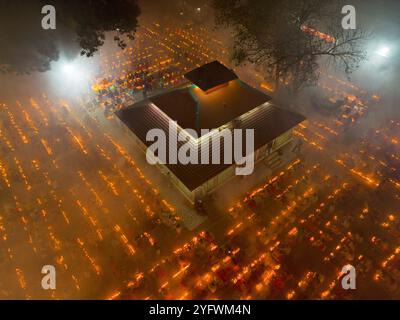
(210, 75)
(268, 123)
(194, 109)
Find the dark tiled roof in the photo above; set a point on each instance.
(192, 108)
(268, 123)
(210, 75)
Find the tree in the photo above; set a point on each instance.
(81, 25)
(282, 37)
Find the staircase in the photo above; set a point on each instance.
(273, 161)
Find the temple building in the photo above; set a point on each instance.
(213, 98)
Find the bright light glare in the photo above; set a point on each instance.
(73, 72)
(72, 77)
(384, 52)
(68, 68)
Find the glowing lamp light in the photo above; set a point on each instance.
(68, 68)
(73, 76)
(73, 72)
(384, 52)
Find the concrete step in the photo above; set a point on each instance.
(273, 161)
(275, 165)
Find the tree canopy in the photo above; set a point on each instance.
(282, 37)
(81, 26)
